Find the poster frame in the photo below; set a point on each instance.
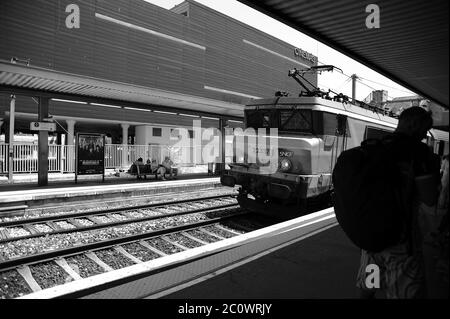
(78, 134)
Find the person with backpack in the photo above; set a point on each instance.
(444, 194)
(377, 203)
(436, 250)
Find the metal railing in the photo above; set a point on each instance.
(61, 158)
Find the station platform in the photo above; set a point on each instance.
(93, 181)
(309, 257)
(65, 192)
(322, 266)
(306, 258)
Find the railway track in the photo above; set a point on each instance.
(58, 224)
(185, 230)
(8, 214)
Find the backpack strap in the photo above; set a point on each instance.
(406, 196)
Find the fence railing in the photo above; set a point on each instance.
(61, 158)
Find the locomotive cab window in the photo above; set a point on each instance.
(330, 123)
(296, 121)
(375, 133)
(260, 119)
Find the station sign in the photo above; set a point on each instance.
(305, 55)
(43, 126)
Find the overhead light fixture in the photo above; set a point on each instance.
(69, 101)
(188, 115)
(107, 105)
(14, 60)
(210, 118)
(163, 112)
(234, 121)
(136, 109)
(206, 87)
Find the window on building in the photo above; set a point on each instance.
(157, 131)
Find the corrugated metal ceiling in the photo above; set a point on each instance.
(14, 77)
(410, 47)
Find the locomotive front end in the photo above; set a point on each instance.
(276, 160)
(283, 189)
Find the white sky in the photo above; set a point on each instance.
(336, 81)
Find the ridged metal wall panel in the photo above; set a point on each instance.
(102, 49)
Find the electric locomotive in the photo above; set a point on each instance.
(313, 129)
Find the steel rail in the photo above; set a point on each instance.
(111, 224)
(21, 222)
(79, 249)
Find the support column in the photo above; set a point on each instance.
(70, 132)
(43, 144)
(12, 111)
(70, 142)
(354, 78)
(124, 163)
(6, 134)
(2, 160)
(220, 167)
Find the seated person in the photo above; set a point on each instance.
(148, 167)
(133, 169)
(167, 164)
(138, 164)
(157, 169)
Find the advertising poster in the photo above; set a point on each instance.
(90, 154)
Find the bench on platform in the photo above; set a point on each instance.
(143, 170)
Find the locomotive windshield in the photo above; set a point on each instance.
(261, 119)
(287, 120)
(296, 120)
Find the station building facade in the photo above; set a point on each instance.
(191, 52)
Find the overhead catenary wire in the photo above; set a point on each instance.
(374, 82)
(371, 87)
(387, 86)
(344, 83)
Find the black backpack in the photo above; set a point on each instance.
(369, 202)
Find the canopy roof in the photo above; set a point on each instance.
(410, 46)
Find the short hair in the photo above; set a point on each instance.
(415, 121)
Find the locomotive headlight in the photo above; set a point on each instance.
(285, 165)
